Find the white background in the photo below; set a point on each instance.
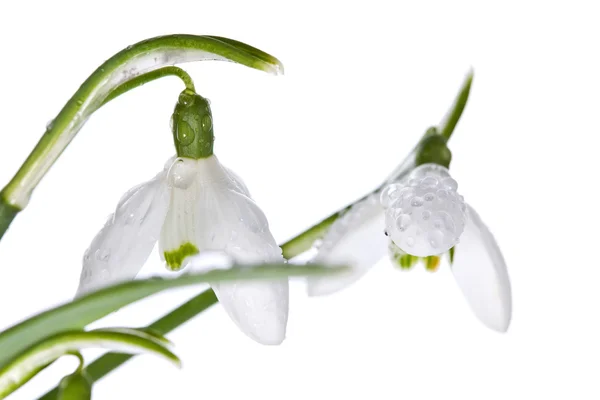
(363, 81)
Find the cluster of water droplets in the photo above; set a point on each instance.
(424, 214)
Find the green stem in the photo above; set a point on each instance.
(7, 214)
(446, 127)
(141, 58)
(149, 77)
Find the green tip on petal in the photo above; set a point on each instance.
(174, 259)
(432, 263)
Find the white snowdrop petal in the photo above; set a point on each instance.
(424, 215)
(121, 248)
(356, 239)
(481, 274)
(215, 213)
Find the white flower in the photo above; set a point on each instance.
(423, 215)
(194, 206)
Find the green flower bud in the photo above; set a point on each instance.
(77, 386)
(433, 149)
(192, 126)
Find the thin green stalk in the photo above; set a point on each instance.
(149, 77)
(446, 127)
(138, 59)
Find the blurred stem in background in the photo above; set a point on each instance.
(423, 152)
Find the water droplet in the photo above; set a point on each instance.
(389, 194)
(435, 239)
(450, 183)
(413, 182)
(50, 124)
(438, 224)
(186, 98)
(403, 222)
(429, 181)
(130, 219)
(429, 197)
(442, 194)
(416, 202)
(102, 255)
(426, 215)
(79, 102)
(185, 133)
(86, 256)
(410, 241)
(206, 123)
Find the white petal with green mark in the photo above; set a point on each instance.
(356, 239)
(481, 274)
(211, 211)
(121, 248)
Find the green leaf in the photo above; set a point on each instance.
(28, 363)
(79, 313)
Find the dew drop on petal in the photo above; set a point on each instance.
(429, 181)
(450, 184)
(389, 194)
(403, 222)
(416, 201)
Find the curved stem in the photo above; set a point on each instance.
(149, 77)
(138, 59)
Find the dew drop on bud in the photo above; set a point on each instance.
(429, 216)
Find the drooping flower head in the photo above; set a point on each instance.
(194, 205)
(418, 215)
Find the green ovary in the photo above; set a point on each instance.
(175, 258)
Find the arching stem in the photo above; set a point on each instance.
(127, 65)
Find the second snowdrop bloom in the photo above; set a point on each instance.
(194, 205)
(421, 216)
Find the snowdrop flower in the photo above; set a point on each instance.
(421, 216)
(194, 205)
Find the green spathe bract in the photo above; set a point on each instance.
(138, 59)
(175, 258)
(193, 126)
(77, 386)
(78, 313)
